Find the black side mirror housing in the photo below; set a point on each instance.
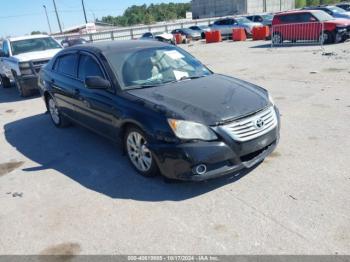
(97, 82)
(2, 54)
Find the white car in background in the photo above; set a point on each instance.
(226, 25)
(21, 59)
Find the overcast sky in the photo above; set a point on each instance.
(18, 17)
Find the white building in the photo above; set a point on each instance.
(216, 8)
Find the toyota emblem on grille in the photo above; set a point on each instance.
(259, 123)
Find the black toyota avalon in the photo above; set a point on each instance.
(172, 115)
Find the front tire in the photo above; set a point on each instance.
(57, 118)
(139, 154)
(277, 38)
(327, 38)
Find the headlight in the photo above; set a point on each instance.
(25, 68)
(24, 65)
(271, 100)
(191, 130)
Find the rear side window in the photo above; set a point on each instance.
(292, 18)
(88, 67)
(220, 22)
(306, 17)
(66, 65)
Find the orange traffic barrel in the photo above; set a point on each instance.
(178, 39)
(261, 32)
(238, 34)
(217, 36)
(209, 37)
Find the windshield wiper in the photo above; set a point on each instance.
(190, 77)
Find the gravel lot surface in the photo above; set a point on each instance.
(69, 191)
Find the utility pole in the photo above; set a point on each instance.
(82, 3)
(47, 18)
(58, 19)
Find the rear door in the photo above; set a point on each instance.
(95, 107)
(64, 83)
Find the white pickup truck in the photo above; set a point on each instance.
(21, 58)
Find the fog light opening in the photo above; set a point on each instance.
(200, 169)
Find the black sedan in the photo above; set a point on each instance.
(170, 113)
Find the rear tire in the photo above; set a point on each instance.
(57, 118)
(141, 158)
(5, 82)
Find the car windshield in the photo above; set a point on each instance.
(143, 68)
(32, 45)
(242, 20)
(322, 16)
(336, 9)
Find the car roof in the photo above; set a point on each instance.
(298, 11)
(18, 38)
(120, 46)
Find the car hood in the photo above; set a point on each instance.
(166, 36)
(342, 15)
(37, 55)
(339, 22)
(210, 100)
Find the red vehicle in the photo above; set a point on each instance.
(309, 25)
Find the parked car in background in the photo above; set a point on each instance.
(161, 37)
(345, 6)
(170, 113)
(200, 28)
(226, 25)
(22, 58)
(265, 19)
(72, 42)
(309, 25)
(188, 33)
(332, 10)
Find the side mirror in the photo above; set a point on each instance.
(97, 82)
(65, 44)
(2, 54)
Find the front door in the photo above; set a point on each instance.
(95, 108)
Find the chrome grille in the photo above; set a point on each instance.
(252, 127)
(38, 64)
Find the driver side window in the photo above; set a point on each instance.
(88, 67)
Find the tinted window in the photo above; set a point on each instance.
(220, 22)
(289, 18)
(66, 64)
(88, 67)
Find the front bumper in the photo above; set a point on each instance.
(28, 82)
(220, 157)
(342, 34)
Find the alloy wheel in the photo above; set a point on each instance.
(138, 152)
(54, 113)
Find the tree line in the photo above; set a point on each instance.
(302, 3)
(148, 14)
